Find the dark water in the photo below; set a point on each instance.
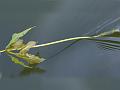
(81, 67)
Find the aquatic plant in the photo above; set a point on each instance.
(17, 48)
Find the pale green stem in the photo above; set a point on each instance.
(60, 41)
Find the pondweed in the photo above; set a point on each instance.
(17, 48)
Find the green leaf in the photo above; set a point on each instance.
(29, 58)
(112, 33)
(26, 48)
(16, 61)
(17, 36)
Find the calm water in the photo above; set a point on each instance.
(81, 67)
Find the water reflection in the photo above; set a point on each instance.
(26, 72)
(29, 71)
(108, 44)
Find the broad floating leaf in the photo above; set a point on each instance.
(16, 61)
(17, 36)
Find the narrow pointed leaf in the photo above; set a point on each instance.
(31, 59)
(16, 61)
(17, 36)
(112, 33)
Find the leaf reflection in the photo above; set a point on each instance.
(29, 71)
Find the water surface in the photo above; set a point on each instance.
(81, 67)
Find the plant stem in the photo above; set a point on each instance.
(60, 41)
(1, 51)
